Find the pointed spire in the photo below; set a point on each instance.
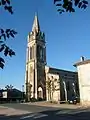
(36, 26)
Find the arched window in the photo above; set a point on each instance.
(31, 73)
(30, 52)
(31, 69)
(68, 85)
(38, 53)
(41, 53)
(77, 87)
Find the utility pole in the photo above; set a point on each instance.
(22, 91)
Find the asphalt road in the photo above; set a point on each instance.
(31, 108)
(46, 113)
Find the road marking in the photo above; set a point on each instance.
(78, 111)
(34, 116)
(71, 111)
(63, 112)
(28, 116)
(40, 116)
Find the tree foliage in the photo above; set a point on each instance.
(69, 5)
(6, 4)
(6, 34)
(50, 88)
(9, 87)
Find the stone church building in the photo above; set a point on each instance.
(42, 81)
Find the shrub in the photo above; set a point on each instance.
(33, 99)
(40, 99)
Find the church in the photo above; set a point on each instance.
(42, 81)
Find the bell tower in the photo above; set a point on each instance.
(35, 63)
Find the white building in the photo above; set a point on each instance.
(83, 68)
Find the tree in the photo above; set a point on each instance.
(50, 88)
(6, 34)
(70, 5)
(9, 87)
(53, 89)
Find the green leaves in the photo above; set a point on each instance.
(9, 8)
(9, 87)
(2, 62)
(4, 34)
(77, 2)
(1, 47)
(6, 5)
(7, 52)
(56, 1)
(69, 5)
(7, 33)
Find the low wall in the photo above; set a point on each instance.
(85, 103)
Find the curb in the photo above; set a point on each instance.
(54, 105)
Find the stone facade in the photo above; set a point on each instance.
(65, 84)
(36, 61)
(38, 74)
(83, 68)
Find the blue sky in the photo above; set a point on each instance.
(67, 37)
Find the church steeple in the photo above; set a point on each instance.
(36, 26)
(36, 61)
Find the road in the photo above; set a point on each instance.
(18, 111)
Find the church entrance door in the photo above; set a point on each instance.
(40, 92)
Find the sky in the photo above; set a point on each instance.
(67, 37)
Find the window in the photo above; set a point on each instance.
(55, 80)
(68, 85)
(38, 54)
(41, 53)
(31, 69)
(65, 74)
(51, 77)
(77, 86)
(73, 76)
(31, 73)
(30, 52)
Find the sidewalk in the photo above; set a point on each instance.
(48, 104)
